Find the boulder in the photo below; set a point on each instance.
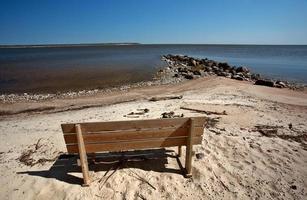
(204, 61)
(268, 83)
(255, 76)
(228, 75)
(225, 74)
(237, 77)
(215, 68)
(211, 63)
(205, 74)
(188, 76)
(280, 84)
(224, 66)
(196, 72)
(183, 69)
(192, 62)
(242, 69)
(207, 69)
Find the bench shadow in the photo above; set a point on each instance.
(148, 160)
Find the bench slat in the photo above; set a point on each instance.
(133, 124)
(136, 144)
(132, 135)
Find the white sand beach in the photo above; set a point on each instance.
(235, 160)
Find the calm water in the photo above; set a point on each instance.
(74, 68)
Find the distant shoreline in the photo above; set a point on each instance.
(128, 43)
(66, 45)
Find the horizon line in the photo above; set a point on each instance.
(129, 43)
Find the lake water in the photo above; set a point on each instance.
(52, 69)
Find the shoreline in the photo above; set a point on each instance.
(171, 76)
(129, 94)
(257, 148)
(163, 76)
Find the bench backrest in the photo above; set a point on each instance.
(136, 134)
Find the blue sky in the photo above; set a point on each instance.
(154, 21)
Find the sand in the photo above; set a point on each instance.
(238, 161)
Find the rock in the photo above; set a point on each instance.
(196, 72)
(215, 68)
(237, 77)
(211, 63)
(255, 76)
(193, 62)
(224, 66)
(183, 69)
(205, 74)
(233, 71)
(208, 69)
(204, 61)
(200, 156)
(242, 69)
(225, 74)
(280, 84)
(290, 126)
(268, 83)
(228, 75)
(293, 187)
(188, 76)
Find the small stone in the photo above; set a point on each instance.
(200, 156)
(290, 126)
(293, 187)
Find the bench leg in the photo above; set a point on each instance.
(83, 157)
(189, 150)
(179, 151)
(92, 157)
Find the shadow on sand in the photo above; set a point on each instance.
(148, 160)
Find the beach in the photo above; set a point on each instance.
(255, 150)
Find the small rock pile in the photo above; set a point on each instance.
(190, 68)
(185, 67)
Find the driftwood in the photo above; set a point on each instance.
(165, 98)
(204, 111)
(136, 114)
(267, 130)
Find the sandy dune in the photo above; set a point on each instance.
(238, 161)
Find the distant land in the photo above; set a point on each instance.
(67, 45)
(131, 43)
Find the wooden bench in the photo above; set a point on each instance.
(93, 137)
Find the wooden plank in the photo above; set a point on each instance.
(136, 144)
(179, 151)
(83, 157)
(107, 136)
(189, 150)
(133, 124)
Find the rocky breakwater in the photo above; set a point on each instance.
(184, 67)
